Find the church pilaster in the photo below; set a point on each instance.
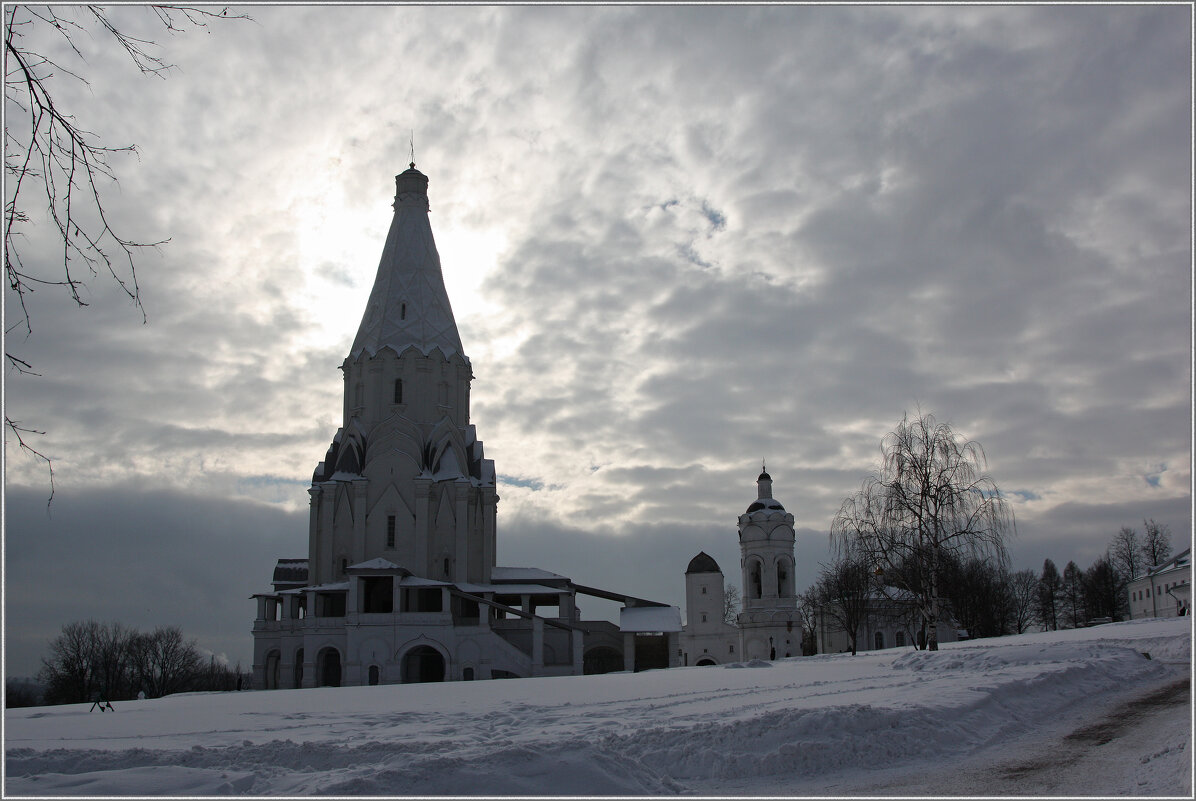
(360, 489)
(313, 527)
(461, 535)
(323, 567)
(489, 524)
(423, 524)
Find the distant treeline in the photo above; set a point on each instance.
(1069, 598)
(983, 596)
(110, 660)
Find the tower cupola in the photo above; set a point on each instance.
(411, 188)
(764, 485)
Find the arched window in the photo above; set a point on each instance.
(900, 639)
(754, 581)
(880, 640)
(390, 531)
(398, 390)
(402, 314)
(703, 617)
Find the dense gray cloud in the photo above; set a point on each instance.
(143, 558)
(677, 240)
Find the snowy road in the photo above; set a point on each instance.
(1079, 712)
(1138, 746)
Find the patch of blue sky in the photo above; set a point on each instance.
(1026, 495)
(274, 481)
(530, 483)
(273, 489)
(689, 254)
(718, 220)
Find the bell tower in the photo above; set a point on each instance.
(768, 621)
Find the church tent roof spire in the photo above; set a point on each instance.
(409, 305)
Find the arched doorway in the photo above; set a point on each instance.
(273, 659)
(704, 661)
(423, 664)
(602, 659)
(328, 668)
(374, 674)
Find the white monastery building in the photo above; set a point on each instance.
(1163, 590)
(400, 583)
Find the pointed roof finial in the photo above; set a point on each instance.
(413, 148)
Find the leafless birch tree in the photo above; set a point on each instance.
(1156, 544)
(1126, 552)
(930, 497)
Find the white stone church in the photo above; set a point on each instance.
(400, 583)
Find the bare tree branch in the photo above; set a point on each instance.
(54, 162)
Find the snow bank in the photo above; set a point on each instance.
(660, 732)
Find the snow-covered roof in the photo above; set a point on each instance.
(501, 574)
(891, 593)
(378, 563)
(1180, 560)
(649, 618)
(416, 581)
(409, 306)
(335, 587)
(513, 589)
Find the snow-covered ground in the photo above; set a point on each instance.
(1083, 707)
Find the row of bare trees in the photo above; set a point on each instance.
(89, 659)
(1072, 597)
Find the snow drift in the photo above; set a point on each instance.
(660, 732)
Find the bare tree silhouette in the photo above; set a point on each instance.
(51, 160)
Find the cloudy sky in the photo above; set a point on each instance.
(678, 241)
